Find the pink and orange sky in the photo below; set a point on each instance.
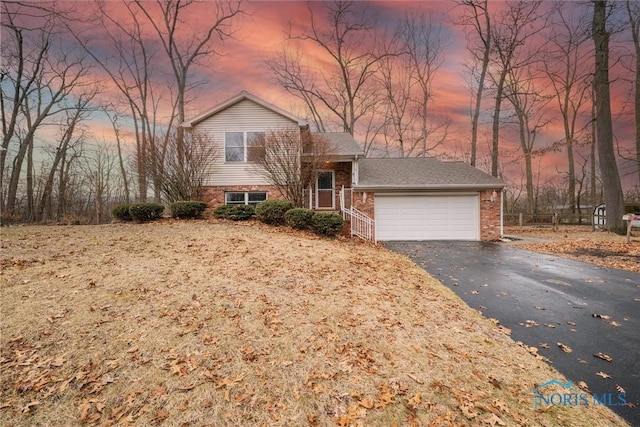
(259, 34)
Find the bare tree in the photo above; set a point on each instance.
(186, 168)
(131, 71)
(113, 118)
(45, 79)
(529, 107)
(518, 23)
(407, 73)
(185, 51)
(633, 12)
(345, 88)
(476, 16)
(564, 64)
(70, 137)
(98, 167)
(289, 158)
(613, 196)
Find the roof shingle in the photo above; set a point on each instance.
(424, 173)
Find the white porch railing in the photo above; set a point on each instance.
(361, 225)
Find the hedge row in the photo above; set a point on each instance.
(278, 212)
(273, 212)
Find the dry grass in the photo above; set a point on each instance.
(197, 323)
(580, 243)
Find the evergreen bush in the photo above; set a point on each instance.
(187, 209)
(327, 224)
(299, 218)
(121, 212)
(144, 212)
(272, 211)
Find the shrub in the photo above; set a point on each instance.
(327, 224)
(234, 212)
(184, 209)
(121, 212)
(145, 211)
(299, 218)
(272, 211)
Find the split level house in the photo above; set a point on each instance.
(382, 198)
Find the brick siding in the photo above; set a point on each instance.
(213, 196)
(490, 215)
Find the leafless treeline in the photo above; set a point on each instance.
(530, 66)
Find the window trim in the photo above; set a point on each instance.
(246, 197)
(245, 145)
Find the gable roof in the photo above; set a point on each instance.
(238, 98)
(342, 144)
(422, 173)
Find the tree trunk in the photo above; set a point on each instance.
(634, 22)
(496, 124)
(606, 153)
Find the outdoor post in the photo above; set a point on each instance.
(520, 220)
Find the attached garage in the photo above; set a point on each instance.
(427, 217)
(427, 199)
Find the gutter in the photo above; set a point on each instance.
(443, 187)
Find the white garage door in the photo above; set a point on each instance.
(432, 217)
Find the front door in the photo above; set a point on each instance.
(325, 192)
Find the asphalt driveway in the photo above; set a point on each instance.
(546, 300)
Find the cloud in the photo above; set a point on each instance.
(260, 33)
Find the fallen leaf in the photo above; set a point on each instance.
(603, 357)
(414, 402)
(367, 402)
(565, 348)
(493, 420)
(603, 374)
(161, 415)
(85, 407)
(27, 408)
(187, 387)
(494, 382)
(416, 379)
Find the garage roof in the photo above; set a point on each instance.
(422, 173)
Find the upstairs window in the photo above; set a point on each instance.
(241, 146)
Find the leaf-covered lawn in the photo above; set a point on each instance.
(205, 323)
(580, 243)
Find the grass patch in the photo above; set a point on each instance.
(207, 323)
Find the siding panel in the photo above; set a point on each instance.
(244, 116)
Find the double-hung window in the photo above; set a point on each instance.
(245, 198)
(241, 146)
